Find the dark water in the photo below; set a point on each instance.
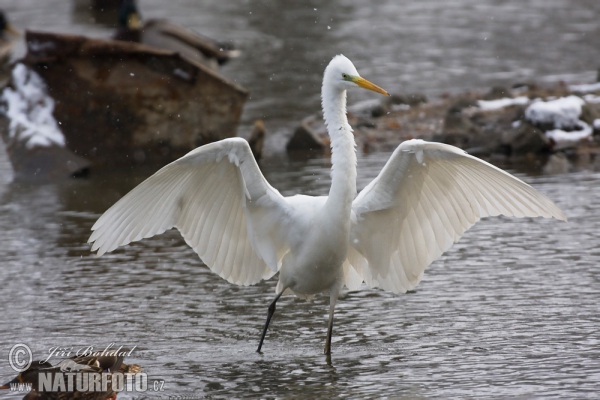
(511, 310)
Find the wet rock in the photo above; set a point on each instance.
(40, 163)
(557, 164)
(364, 123)
(455, 139)
(379, 110)
(596, 127)
(494, 124)
(461, 104)
(395, 99)
(502, 130)
(530, 85)
(525, 139)
(396, 102)
(590, 113)
(305, 138)
(46, 163)
(497, 92)
(459, 123)
(458, 129)
(119, 102)
(415, 99)
(34, 143)
(386, 105)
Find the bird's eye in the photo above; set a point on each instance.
(345, 76)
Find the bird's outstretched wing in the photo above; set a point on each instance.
(424, 199)
(217, 197)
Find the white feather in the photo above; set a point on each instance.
(424, 199)
(211, 201)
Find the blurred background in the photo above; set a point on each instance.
(511, 310)
(430, 46)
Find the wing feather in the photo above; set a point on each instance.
(226, 257)
(211, 195)
(424, 199)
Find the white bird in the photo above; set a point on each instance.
(424, 199)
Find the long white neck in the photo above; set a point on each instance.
(343, 151)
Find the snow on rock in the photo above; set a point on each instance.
(490, 105)
(563, 112)
(588, 87)
(559, 135)
(591, 98)
(562, 115)
(30, 108)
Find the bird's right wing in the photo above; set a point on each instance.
(424, 199)
(217, 197)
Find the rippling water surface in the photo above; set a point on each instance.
(510, 310)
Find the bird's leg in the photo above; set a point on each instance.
(329, 329)
(332, 300)
(269, 316)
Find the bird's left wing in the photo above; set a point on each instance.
(217, 197)
(424, 199)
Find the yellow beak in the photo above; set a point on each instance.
(363, 83)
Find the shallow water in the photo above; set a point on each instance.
(510, 310)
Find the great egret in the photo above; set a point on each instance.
(424, 199)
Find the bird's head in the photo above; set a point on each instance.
(342, 74)
(129, 16)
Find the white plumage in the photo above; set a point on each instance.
(424, 199)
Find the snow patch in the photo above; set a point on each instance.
(559, 135)
(489, 105)
(37, 46)
(591, 98)
(562, 115)
(30, 108)
(589, 87)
